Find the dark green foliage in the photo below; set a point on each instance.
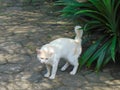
(101, 17)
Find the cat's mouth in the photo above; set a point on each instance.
(44, 61)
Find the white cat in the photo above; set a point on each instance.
(70, 49)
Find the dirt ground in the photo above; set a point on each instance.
(23, 28)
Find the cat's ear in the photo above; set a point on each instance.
(38, 51)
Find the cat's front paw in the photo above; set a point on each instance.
(47, 75)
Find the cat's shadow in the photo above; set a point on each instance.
(38, 75)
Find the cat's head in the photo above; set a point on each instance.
(44, 54)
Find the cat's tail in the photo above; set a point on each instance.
(79, 33)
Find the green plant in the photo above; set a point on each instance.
(103, 18)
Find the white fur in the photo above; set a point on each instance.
(70, 49)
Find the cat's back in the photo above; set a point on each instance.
(62, 41)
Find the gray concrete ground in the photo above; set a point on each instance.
(22, 29)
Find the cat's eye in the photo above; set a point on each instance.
(46, 58)
(42, 58)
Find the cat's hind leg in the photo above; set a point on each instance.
(73, 72)
(65, 66)
(74, 62)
